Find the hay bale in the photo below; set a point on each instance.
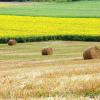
(47, 51)
(12, 42)
(92, 53)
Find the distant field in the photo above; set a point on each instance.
(66, 9)
(4, 5)
(25, 73)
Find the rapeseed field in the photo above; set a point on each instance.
(26, 26)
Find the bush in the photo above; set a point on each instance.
(57, 37)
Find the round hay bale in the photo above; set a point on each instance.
(47, 51)
(12, 42)
(91, 53)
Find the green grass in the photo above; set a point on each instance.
(66, 9)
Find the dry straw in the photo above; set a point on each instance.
(12, 42)
(92, 53)
(47, 51)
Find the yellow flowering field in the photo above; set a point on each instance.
(4, 5)
(25, 26)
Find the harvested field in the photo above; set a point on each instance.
(25, 73)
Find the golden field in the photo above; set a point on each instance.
(27, 75)
(25, 26)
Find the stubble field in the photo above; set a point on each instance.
(25, 73)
